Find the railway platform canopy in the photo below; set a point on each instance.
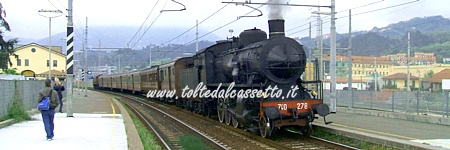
(97, 123)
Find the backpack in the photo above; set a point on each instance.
(45, 102)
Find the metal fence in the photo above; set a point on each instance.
(420, 102)
(27, 90)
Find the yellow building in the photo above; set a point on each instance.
(420, 70)
(399, 80)
(34, 63)
(419, 58)
(365, 67)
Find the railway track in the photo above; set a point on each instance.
(296, 140)
(220, 136)
(169, 130)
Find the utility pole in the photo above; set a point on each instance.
(99, 58)
(150, 57)
(319, 44)
(376, 76)
(333, 58)
(85, 58)
(309, 42)
(119, 60)
(350, 65)
(319, 49)
(196, 36)
(408, 74)
(69, 60)
(309, 55)
(376, 80)
(59, 13)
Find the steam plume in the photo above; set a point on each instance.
(276, 11)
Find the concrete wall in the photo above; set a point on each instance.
(27, 89)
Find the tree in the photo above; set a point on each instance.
(429, 74)
(6, 47)
(11, 71)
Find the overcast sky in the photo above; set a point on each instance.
(25, 21)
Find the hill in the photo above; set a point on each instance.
(119, 36)
(427, 34)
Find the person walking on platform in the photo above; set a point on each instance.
(48, 115)
(59, 87)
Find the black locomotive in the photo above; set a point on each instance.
(253, 82)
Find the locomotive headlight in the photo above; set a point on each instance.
(314, 93)
(265, 95)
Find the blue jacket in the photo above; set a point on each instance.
(59, 89)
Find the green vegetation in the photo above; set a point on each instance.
(351, 141)
(429, 74)
(191, 142)
(15, 106)
(6, 47)
(188, 142)
(389, 85)
(148, 139)
(12, 71)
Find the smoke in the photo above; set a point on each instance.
(277, 11)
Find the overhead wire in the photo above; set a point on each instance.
(380, 9)
(143, 23)
(190, 42)
(196, 25)
(62, 5)
(57, 8)
(368, 11)
(326, 17)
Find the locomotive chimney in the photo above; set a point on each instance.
(276, 28)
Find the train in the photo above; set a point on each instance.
(251, 82)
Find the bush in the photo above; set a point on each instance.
(15, 107)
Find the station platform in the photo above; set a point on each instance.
(97, 122)
(377, 125)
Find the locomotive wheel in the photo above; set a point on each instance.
(221, 115)
(220, 110)
(264, 127)
(228, 118)
(234, 121)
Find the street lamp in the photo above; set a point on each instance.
(58, 13)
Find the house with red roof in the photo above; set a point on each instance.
(400, 79)
(434, 82)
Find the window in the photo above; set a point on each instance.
(55, 63)
(48, 63)
(19, 62)
(27, 62)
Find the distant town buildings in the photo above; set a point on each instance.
(419, 58)
(390, 70)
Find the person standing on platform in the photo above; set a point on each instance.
(48, 115)
(59, 87)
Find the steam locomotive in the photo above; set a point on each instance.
(251, 82)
